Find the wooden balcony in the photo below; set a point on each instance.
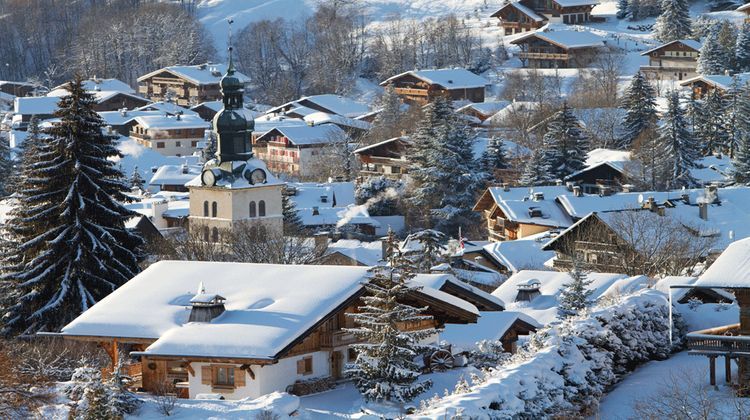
(543, 56)
(719, 341)
(143, 89)
(411, 92)
(337, 339)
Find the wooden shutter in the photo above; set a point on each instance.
(239, 378)
(301, 367)
(206, 375)
(308, 365)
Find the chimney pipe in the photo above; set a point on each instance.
(703, 211)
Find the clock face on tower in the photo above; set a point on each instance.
(209, 177)
(258, 176)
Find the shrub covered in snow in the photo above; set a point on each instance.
(93, 398)
(565, 368)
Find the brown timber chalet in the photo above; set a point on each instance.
(528, 15)
(386, 158)
(421, 86)
(702, 85)
(559, 49)
(676, 60)
(244, 333)
(185, 85)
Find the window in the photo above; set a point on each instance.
(205, 233)
(159, 144)
(205, 209)
(305, 366)
(214, 209)
(252, 209)
(224, 376)
(178, 144)
(193, 143)
(214, 235)
(261, 208)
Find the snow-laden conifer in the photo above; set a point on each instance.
(742, 49)
(742, 157)
(639, 103)
(674, 21)
(536, 171)
(680, 150)
(565, 145)
(575, 295)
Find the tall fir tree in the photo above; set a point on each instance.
(728, 42)
(622, 9)
(443, 170)
(674, 21)
(493, 158)
(136, 180)
(209, 151)
(712, 135)
(384, 369)
(680, 150)
(27, 150)
(73, 248)
(425, 248)
(742, 157)
(639, 103)
(292, 221)
(648, 151)
(742, 49)
(575, 296)
(732, 117)
(712, 58)
(536, 171)
(565, 145)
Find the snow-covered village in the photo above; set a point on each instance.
(375, 209)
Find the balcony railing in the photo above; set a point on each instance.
(720, 340)
(337, 339)
(412, 92)
(542, 56)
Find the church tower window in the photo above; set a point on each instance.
(252, 209)
(261, 208)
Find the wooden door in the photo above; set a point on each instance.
(337, 364)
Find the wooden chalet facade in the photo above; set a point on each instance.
(676, 60)
(313, 347)
(700, 86)
(296, 150)
(387, 158)
(185, 85)
(18, 89)
(559, 49)
(421, 86)
(528, 15)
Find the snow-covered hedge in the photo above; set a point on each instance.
(566, 368)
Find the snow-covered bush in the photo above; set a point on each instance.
(564, 369)
(488, 353)
(94, 398)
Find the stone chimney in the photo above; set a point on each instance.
(205, 306)
(321, 240)
(703, 210)
(577, 192)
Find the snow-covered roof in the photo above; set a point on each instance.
(175, 174)
(447, 78)
(691, 43)
(319, 117)
(366, 253)
(94, 85)
(36, 105)
(201, 74)
(485, 108)
(380, 143)
(517, 205)
(171, 122)
(567, 39)
(239, 182)
(336, 216)
(438, 281)
(500, 116)
(309, 135)
(124, 117)
(267, 123)
(167, 108)
(213, 105)
(335, 104)
(263, 315)
(520, 193)
(616, 159)
(490, 326)
(744, 8)
(135, 154)
(722, 81)
(310, 194)
(527, 11)
(521, 254)
(731, 269)
(574, 3)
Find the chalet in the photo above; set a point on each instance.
(676, 60)
(529, 15)
(515, 213)
(353, 252)
(16, 88)
(606, 172)
(110, 94)
(174, 177)
(296, 150)
(186, 85)
(559, 49)
(745, 8)
(451, 285)
(43, 107)
(167, 108)
(386, 158)
(164, 209)
(327, 103)
(510, 257)
(700, 86)
(478, 112)
(122, 121)
(730, 272)
(504, 327)
(421, 86)
(229, 339)
(170, 135)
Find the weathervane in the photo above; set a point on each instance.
(230, 21)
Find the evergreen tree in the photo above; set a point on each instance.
(674, 21)
(712, 59)
(742, 49)
(742, 157)
(494, 158)
(728, 42)
(536, 171)
(695, 115)
(733, 106)
(565, 145)
(622, 9)
(443, 170)
(73, 248)
(26, 152)
(639, 103)
(712, 133)
(384, 368)
(209, 151)
(381, 195)
(426, 249)
(292, 221)
(576, 295)
(680, 150)
(648, 151)
(136, 180)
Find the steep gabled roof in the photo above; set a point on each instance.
(567, 39)
(201, 74)
(309, 135)
(721, 81)
(521, 8)
(691, 43)
(446, 78)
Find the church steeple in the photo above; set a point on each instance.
(232, 129)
